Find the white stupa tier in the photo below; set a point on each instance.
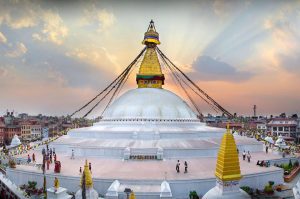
(15, 141)
(152, 122)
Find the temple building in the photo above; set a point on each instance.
(141, 137)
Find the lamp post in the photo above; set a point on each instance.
(127, 191)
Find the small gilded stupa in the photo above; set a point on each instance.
(228, 171)
(150, 74)
(86, 183)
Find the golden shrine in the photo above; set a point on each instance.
(228, 165)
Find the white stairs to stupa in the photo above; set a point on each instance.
(141, 191)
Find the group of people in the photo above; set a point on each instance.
(178, 167)
(49, 155)
(248, 155)
(263, 163)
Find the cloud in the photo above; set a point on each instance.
(225, 8)
(209, 69)
(96, 56)
(17, 51)
(28, 14)
(53, 74)
(53, 30)
(17, 14)
(2, 38)
(282, 48)
(102, 18)
(51, 93)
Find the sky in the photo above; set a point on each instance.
(56, 55)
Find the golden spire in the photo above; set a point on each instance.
(88, 176)
(150, 64)
(228, 165)
(150, 74)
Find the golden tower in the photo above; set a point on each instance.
(228, 172)
(88, 176)
(150, 74)
(228, 165)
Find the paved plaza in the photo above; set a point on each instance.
(198, 168)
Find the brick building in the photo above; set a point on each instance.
(25, 130)
(2, 127)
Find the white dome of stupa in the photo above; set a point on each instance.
(15, 141)
(149, 103)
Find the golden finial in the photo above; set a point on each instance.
(151, 37)
(227, 127)
(88, 176)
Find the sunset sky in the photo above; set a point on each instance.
(56, 56)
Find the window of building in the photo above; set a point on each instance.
(280, 128)
(274, 128)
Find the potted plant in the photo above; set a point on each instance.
(269, 188)
(193, 195)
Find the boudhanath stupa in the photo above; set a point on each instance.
(139, 140)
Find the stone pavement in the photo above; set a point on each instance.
(198, 168)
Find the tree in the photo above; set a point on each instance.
(295, 116)
(283, 115)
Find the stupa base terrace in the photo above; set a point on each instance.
(145, 177)
(148, 143)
